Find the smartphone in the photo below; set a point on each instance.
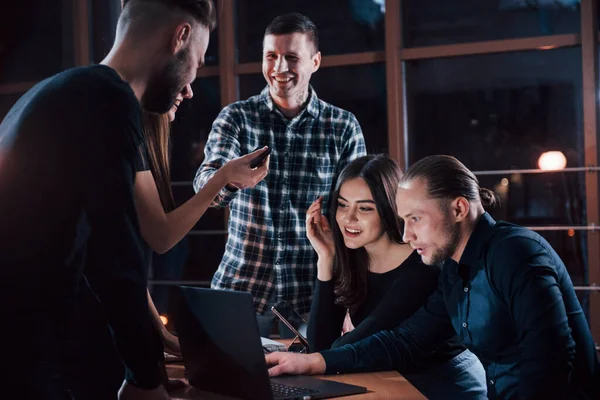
(260, 159)
(283, 308)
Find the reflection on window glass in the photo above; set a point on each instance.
(345, 26)
(499, 111)
(365, 97)
(35, 38)
(438, 22)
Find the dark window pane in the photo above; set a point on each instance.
(103, 24)
(438, 22)
(204, 256)
(553, 198)
(498, 111)
(345, 26)
(365, 97)
(191, 128)
(37, 40)
(212, 52)
(547, 199)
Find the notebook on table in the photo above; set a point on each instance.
(223, 354)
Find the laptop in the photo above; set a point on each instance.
(222, 350)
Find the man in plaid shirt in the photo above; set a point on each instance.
(267, 252)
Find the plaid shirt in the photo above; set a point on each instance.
(267, 249)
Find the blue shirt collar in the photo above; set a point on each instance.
(474, 250)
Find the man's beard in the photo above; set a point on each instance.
(163, 87)
(452, 232)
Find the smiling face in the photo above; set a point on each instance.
(288, 63)
(428, 226)
(186, 93)
(177, 72)
(356, 215)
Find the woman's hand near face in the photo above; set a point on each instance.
(320, 236)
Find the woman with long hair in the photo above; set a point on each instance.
(163, 224)
(368, 280)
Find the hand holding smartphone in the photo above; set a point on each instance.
(259, 160)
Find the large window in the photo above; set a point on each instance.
(345, 26)
(495, 83)
(435, 22)
(497, 111)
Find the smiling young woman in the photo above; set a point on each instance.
(369, 280)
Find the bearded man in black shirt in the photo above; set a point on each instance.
(67, 154)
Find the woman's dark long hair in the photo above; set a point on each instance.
(351, 266)
(156, 132)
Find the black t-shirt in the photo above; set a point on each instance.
(391, 298)
(67, 164)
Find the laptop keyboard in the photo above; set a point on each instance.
(280, 390)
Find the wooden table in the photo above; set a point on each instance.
(380, 385)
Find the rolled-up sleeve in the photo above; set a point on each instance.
(221, 147)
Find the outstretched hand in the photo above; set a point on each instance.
(295, 364)
(239, 173)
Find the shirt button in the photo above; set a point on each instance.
(491, 381)
(464, 324)
(466, 289)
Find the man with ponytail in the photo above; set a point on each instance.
(503, 290)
